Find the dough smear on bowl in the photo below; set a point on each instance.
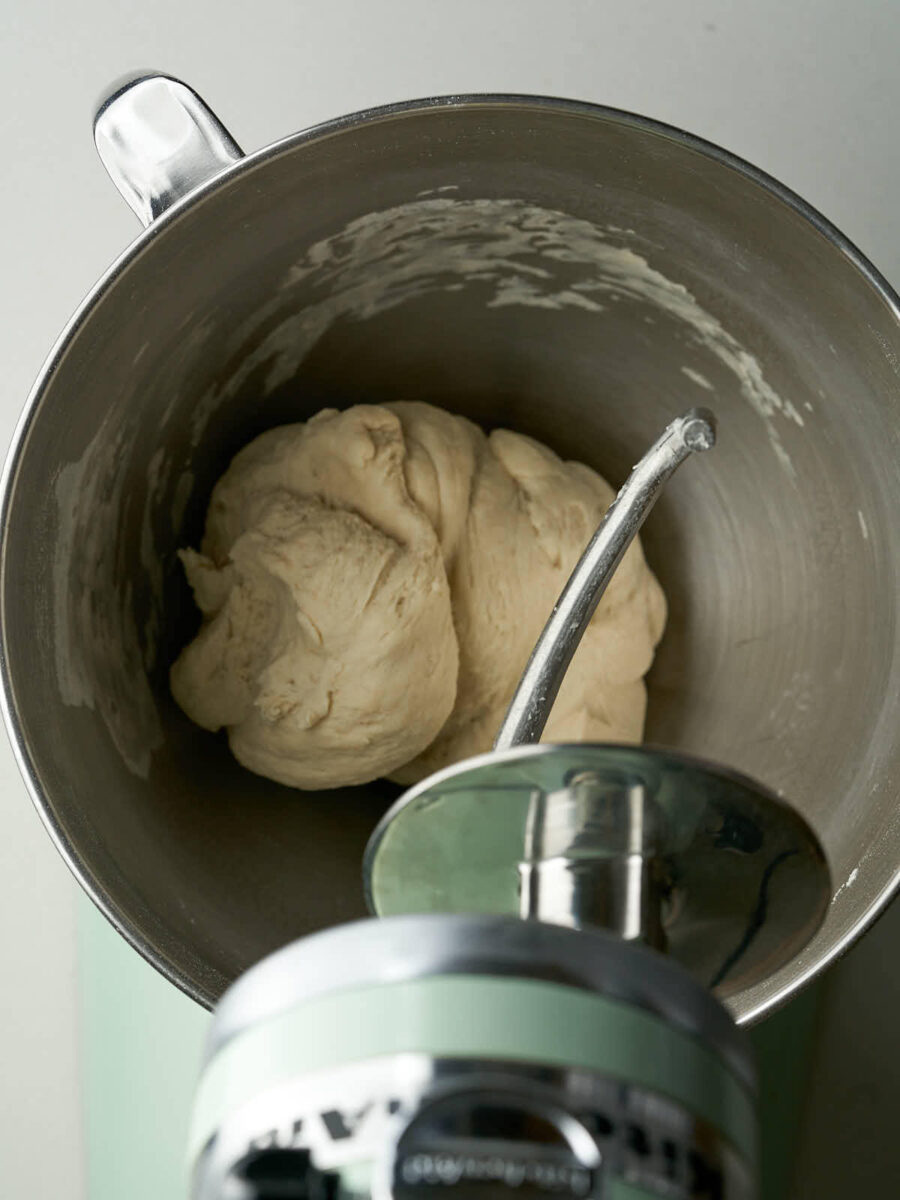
(372, 582)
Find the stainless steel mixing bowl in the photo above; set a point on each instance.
(573, 272)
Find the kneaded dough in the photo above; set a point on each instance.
(372, 583)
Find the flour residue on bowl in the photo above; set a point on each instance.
(521, 255)
(848, 883)
(100, 661)
(696, 377)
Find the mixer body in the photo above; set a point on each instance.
(412, 1055)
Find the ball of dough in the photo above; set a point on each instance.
(372, 584)
(327, 648)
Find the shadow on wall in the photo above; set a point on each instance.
(848, 1144)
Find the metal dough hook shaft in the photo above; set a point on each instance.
(527, 714)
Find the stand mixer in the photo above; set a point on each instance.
(539, 1008)
(618, 263)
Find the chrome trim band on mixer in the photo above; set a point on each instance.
(369, 952)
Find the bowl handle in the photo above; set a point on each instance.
(159, 141)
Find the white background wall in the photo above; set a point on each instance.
(807, 89)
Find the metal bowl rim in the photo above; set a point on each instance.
(370, 116)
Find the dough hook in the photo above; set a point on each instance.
(527, 714)
(687, 856)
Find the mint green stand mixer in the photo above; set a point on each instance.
(539, 1009)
